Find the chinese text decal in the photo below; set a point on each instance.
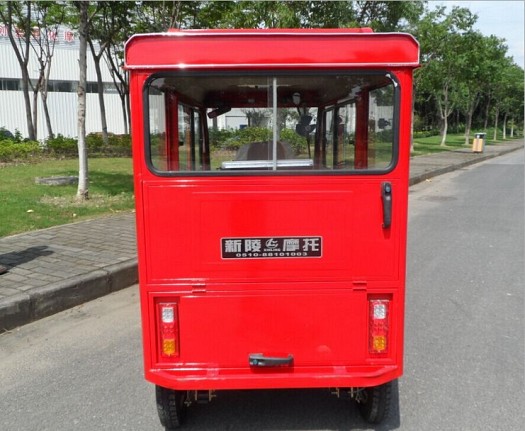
(271, 247)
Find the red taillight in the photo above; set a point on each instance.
(379, 326)
(168, 327)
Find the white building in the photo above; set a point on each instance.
(62, 96)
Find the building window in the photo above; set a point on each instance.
(57, 86)
(92, 87)
(10, 84)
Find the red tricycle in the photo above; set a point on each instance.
(271, 181)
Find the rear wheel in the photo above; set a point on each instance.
(171, 407)
(374, 403)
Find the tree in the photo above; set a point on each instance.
(509, 98)
(17, 18)
(48, 17)
(83, 179)
(483, 65)
(514, 105)
(444, 57)
(380, 15)
(111, 17)
(115, 60)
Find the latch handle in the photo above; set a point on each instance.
(386, 195)
(259, 360)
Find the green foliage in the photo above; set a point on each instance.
(425, 134)
(12, 151)
(5, 134)
(380, 15)
(463, 73)
(61, 146)
(219, 136)
(246, 136)
(118, 146)
(230, 139)
(297, 141)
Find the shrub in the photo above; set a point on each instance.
(94, 142)
(62, 146)
(425, 133)
(11, 151)
(246, 136)
(6, 134)
(119, 145)
(297, 141)
(230, 139)
(219, 136)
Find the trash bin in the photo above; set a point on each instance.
(479, 143)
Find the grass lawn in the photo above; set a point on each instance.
(25, 205)
(431, 144)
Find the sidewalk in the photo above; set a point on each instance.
(54, 269)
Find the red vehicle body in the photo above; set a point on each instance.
(271, 180)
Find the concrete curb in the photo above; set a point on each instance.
(44, 301)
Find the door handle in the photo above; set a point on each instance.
(386, 196)
(259, 360)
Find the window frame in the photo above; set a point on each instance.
(272, 73)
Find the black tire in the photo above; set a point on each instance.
(171, 407)
(374, 403)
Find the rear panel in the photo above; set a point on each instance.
(187, 228)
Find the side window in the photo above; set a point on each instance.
(340, 137)
(360, 134)
(175, 134)
(186, 139)
(381, 127)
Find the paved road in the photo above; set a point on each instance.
(81, 369)
(465, 317)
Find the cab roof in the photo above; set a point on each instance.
(270, 48)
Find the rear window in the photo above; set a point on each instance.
(271, 123)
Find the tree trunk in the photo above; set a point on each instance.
(100, 86)
(444, 129)
(36, 90)
(487, 110)
(31, 132)
(496, 125)
(124, 112)
(83, 181)
(444, 111)
(43, 92)
(505, 126)
(49, 127)
(128, 111)
(468, 126)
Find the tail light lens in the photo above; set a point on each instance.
(168, 327)
(379, 326)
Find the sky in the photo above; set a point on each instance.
(504, 19)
